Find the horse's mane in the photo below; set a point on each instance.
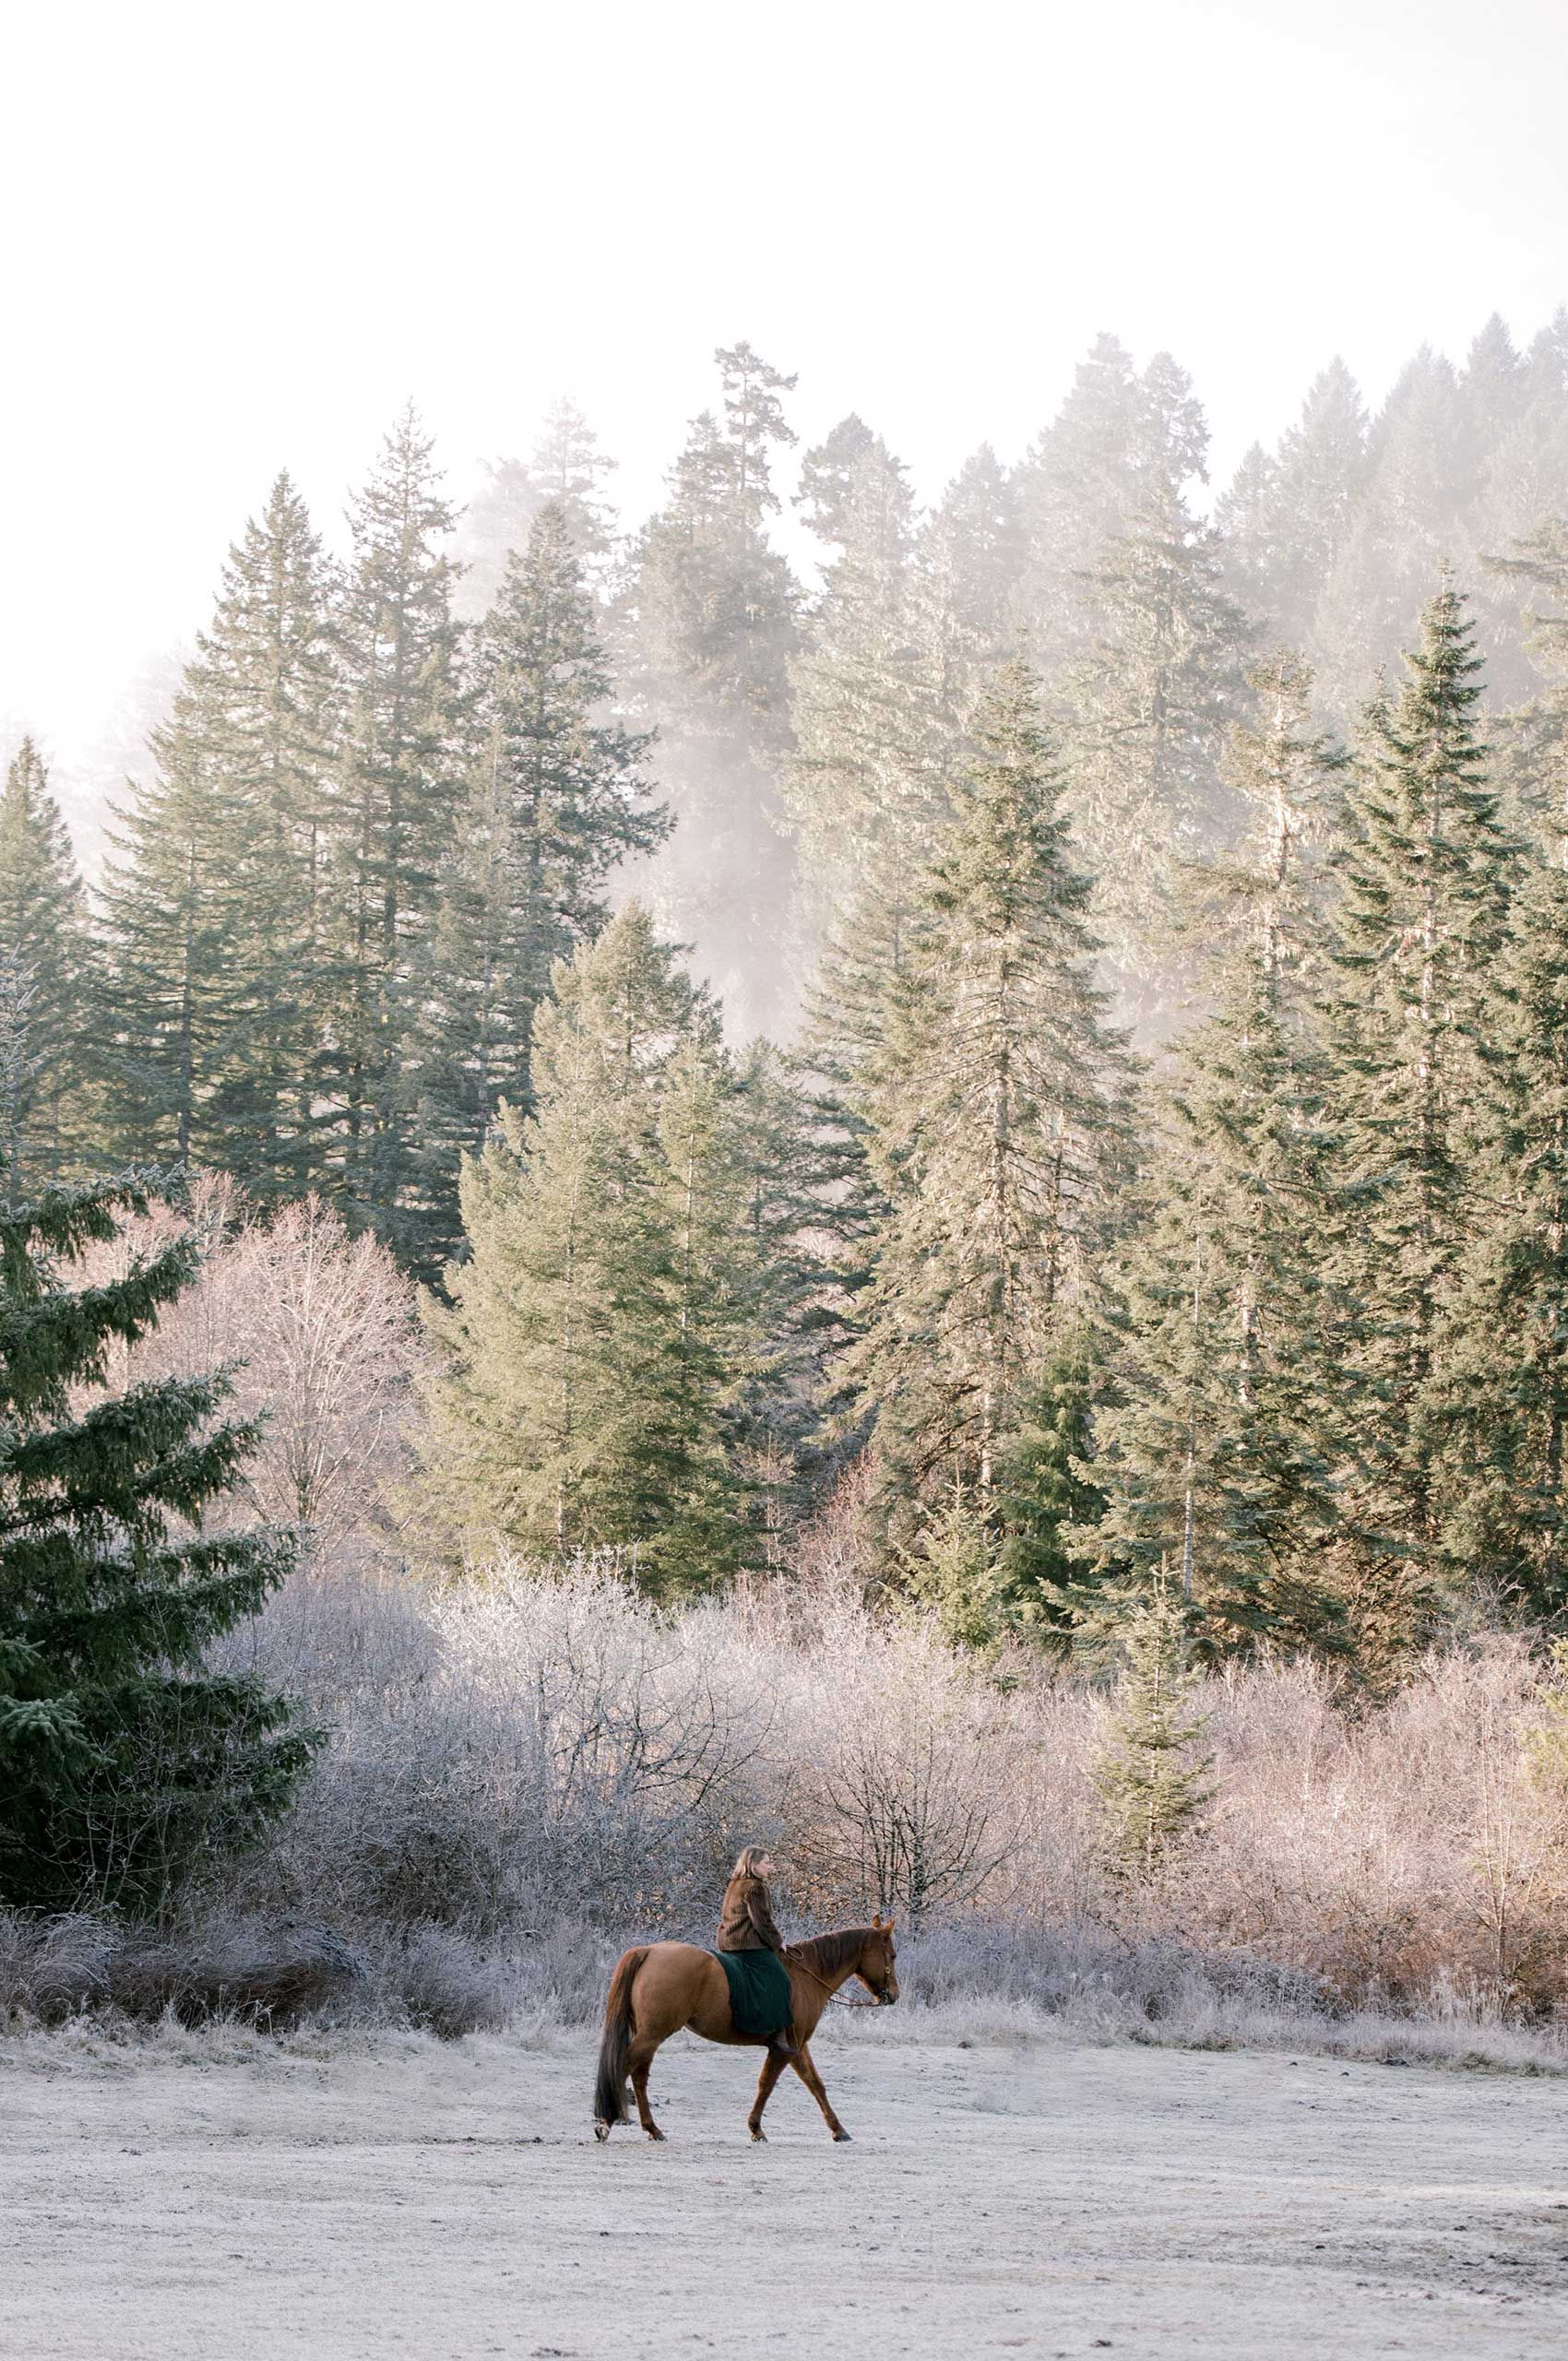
(828, 1954)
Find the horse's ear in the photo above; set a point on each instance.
(876, 1922)
(888, 1928)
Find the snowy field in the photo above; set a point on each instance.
(206, 2199)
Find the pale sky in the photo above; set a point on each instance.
(239, 239)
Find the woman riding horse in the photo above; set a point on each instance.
(745, 1924)
(662, 1989)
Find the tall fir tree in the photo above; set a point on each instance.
(1075, 489)
(1267, 891)
(1213, 1441)
(599, 1346)
(898, 660)
(219, 907)
(44, 932)
(397, 802)
(558, 796)
(125, 1759)
(710, 614)
(993, 1111)
(970, 557)
(827, 473)
(1532, 738)
(1145, 708)
(865, 785)
(1494, 1408)
(19, 1065)
(1408, 526)
(1410, 1026)
(1288, 514)
(568, 467)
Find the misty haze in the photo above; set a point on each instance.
(784, 1183)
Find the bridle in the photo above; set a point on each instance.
(834, 2001)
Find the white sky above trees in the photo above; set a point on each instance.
(240, 238)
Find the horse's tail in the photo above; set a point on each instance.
(610, 2090)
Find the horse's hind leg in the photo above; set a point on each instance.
(637, 2063)
(805, 2067)
(772, 2067)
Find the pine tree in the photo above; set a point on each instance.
(1495, 1407)
(19, 1065)
(1532, 759)
(1513, 427)
(1144, 724)
(1493, 390)
(864, 787)
(567, 467)
(44, 933)
(1268, 889)
(711, 615)
(993, 1114)
(557, 797)
(1287, 517)
(897, 667)
(1426, 870)
(1214, 1441)
(951, 1570)
(970, 559)
(792, 1286)
(1075, 489)
(124, 1759)
(827, 474)
(175, 997)
(1048, 1491)
(1408, 526)
(1147, 703)
(834, 1070)
(220, 907)
(1152, 1787)
(397, 801)
(599, 1346)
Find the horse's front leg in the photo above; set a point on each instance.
(805, 2067)
(772, 2067)
(640, 2058)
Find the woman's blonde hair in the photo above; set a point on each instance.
(746, 1863)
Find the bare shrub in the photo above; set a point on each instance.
(510, 1749)
(896, 1805)
(1398, 1854)
(227, 1967)
(531, 1747)
(320, 1330)
(532, 1768)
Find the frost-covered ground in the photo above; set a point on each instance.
(212, 2195)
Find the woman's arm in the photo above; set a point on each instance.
(762, 1917)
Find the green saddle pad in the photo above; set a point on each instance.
(759, 1991)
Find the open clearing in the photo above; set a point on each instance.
(445, 2202)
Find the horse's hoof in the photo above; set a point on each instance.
(655, 2135)
(601, 2130)
(760, 2138)
(840, 2135)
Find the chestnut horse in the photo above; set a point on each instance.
(672, 1988)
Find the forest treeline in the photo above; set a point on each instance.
(1115, 1108)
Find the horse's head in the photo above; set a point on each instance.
(877, 1967)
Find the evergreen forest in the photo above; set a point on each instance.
(1044, 1014)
